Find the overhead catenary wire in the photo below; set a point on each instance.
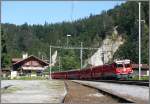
(85, 48)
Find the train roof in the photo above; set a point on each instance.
(81, 69)
(126, 61)
(72, 70)
(67, 70)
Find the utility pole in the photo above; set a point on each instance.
(59, 63)
(50, 62)
(42, 57)
(81, 54)
(39, 53)
(103, 57)
(102, 54)
(139, 40)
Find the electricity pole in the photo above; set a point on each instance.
(102, 54)
(81, 54)
(50, 62)
(139, 40)
(59, 63)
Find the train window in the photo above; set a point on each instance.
(119, 65)
(127, 65)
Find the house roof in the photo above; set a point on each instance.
(20, 62)
(14, 60)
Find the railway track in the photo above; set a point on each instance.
(81, 93)
(129, 82)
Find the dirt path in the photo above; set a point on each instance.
(78, 94)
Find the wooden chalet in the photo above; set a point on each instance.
(29, 66)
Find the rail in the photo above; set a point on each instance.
(129, 82)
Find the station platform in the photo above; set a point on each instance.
(138, 94)
(32, 91)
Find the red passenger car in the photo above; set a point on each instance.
(103, 71)
(73, 74)
(85, 73)
(117, 70)
(59, 75)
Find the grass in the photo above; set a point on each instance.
(5, 78)
(30, 78)
(10, 90)
(55, 85)
(142, 78)
(25, 78)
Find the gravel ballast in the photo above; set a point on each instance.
(79, 94)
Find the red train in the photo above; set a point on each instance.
(117, 70)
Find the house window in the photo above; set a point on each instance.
(39, 72)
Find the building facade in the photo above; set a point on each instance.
(28, 66)
(144, 69)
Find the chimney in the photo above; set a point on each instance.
(25, 55)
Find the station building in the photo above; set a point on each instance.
(28, 66)
(144, 69)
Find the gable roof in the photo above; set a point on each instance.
(30, 57)
(16, 59)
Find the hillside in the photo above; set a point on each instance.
(109, 46)
(35, 39)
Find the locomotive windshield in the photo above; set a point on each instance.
(119, 65)
(127, 65)
(123, 63)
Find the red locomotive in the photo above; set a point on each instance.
(117, 70)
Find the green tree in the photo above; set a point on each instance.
(69, 60)
(5, 58)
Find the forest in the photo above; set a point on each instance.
(36, 39)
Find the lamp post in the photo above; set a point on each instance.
(68, 39)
